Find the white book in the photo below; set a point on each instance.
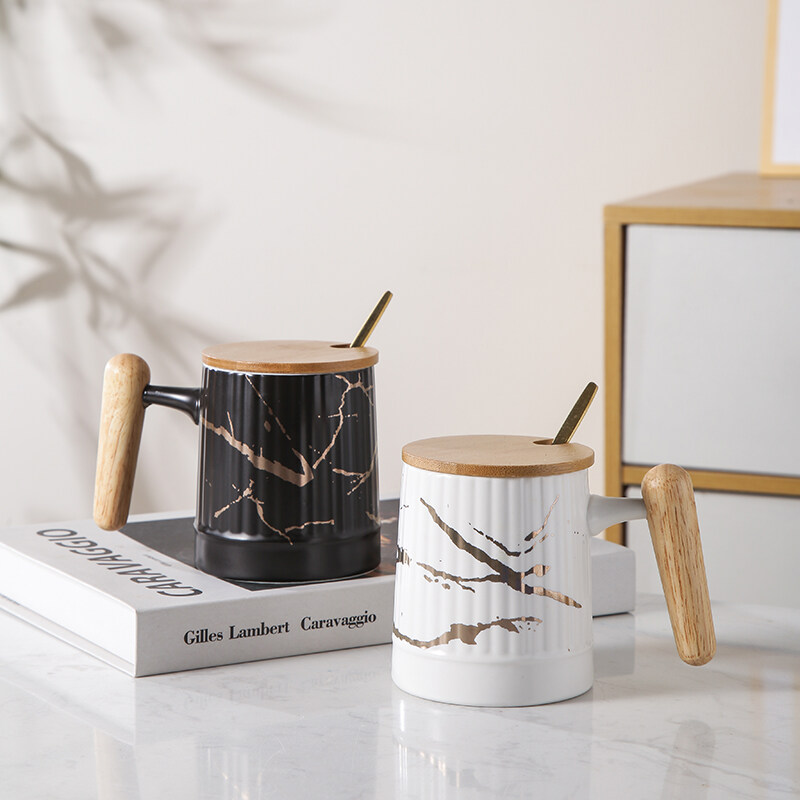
(134, 600)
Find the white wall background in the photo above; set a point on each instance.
(174, 174)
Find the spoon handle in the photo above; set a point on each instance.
(372, 321)
(575, 417)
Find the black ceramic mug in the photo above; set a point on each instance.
(288, 476)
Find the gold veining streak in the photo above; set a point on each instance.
(404, 558)
(269, 411)
(503, 572)
(535, 533)
(531, 535)
(497, 543)
(248, 494)
(358, 477)
(340, 413)
(259, 461)
(465, 633)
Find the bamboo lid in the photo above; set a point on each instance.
(497, 456)
(291, 357)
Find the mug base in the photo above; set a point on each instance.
(275, 562)
(528, 682)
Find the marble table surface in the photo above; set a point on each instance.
(333, 725)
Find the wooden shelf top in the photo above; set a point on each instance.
(497, 456)
(738, 199)
(289, 357)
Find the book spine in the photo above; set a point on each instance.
(267, 625)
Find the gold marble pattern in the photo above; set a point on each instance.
(248, 494)
(350, 386)
(503, 573)
(305, 472)
(467, 634)
(259, 460)
(359, 478)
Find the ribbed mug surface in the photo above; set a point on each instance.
(288, 479)
(493, 588)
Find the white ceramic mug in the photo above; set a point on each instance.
(493, 584)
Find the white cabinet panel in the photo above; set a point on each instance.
(711, 371)
(751, 547)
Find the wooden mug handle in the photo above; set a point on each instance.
(121, 418)
(672, 517)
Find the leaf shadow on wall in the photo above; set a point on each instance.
(91, 295)
(87, 250)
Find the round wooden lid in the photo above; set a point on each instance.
(497, 456)
(291, 357)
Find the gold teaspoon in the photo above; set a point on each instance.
(575, 417)
(372, 321)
